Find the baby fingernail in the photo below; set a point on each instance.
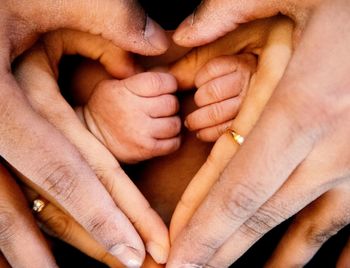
(156, 36)
(127, 255)
(158, 253)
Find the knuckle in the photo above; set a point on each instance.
(7, 226)
(155, 80)
(240, 202)
(261, 222)
(171, 103)
(61, 225)
(98, 224)
(317, 235)
(175, 124)
(59, 180)
(215, 112)
(215, 91)
(213, 68)
(307, 111)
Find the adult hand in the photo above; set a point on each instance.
(295, 153)
(312, 227)
(37, 72)
(40, 152)
(214, 18)
(18, 230)
(268, 40)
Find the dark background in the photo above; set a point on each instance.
(169, 14)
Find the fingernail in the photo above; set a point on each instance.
(186, 123)
(183, 30)
(158, 253)
(156, 36)
(127, 255)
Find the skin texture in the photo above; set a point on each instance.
(38, 71)
(135, 118)
(344, 250)
(36, 149)
(305, 157)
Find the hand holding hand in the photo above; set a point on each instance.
(280, 170)
(135, 117)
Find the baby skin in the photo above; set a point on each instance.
(135, 118)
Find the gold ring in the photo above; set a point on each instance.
(38, 205)
(237, 138)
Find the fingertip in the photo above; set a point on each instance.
(182, 33)
(158, 252)
(129, 256)
(156, 36)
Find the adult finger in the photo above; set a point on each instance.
(278, 46)
(64, 227)
(323, 173)
(63, 117)
(344, 258)
(250, 37)
(18, 230)
(122, 22)
(107, 169)
(312, 227)
(3, 262)
(117, 62)
(213, 114)
(214, 18)
(64, 177)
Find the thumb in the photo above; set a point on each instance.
(252, 35)
(117, 62)
(214, 18)
(123, 22)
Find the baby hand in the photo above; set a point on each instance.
(222, 83)
(135, 118)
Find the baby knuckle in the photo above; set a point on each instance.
(171, 103)
(155, 80)
(213, 68)
(175, 124)
(215, 91)
(215, 112)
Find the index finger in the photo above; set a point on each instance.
(52, 166)
(275, 56)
